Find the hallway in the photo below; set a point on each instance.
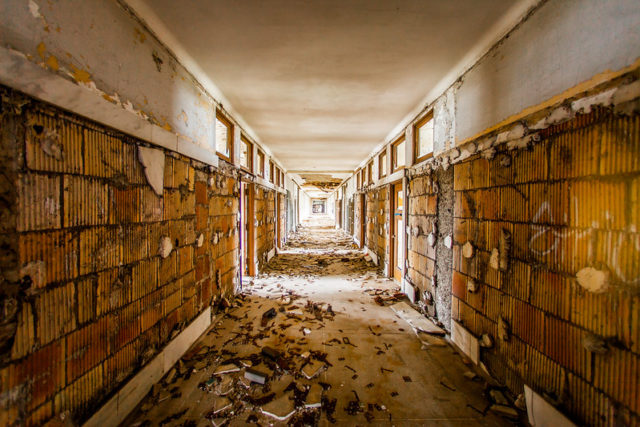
(312, 212)
(366, 363)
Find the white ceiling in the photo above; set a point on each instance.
(322, 82)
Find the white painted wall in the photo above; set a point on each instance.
(564, 43)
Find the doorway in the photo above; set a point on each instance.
(279, 218)
(363, 219)
(248, 230)
(397, 232)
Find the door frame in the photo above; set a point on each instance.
(363, 219)
(392, 228)
(248, 188)
(278, 221)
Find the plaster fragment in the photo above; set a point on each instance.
(486, 341)
(489, 153)
(467, 250)
(448, 242)
(595, 343)
(50, 144)
(34, 9)
(165, 246)
(558, 115)
(584, 105)
(503, 329)
(200, 240)
(152, 161)
(519, 144)
(37, 272)
(593, 280)
(505, 161)
(431, 239)
(494, 259)
(627, 93)
(472, 285)
(505, 249)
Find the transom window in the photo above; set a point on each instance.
(398, 154)
(424, 138)
(224, 138)
(261, 163)
(272, 178)
(246, 154)
(382, 164)
(370, 172)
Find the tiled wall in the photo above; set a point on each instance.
(536, 218)
(87, 296)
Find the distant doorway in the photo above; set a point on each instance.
(397, 231)
(318, 206)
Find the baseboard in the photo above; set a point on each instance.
(127, 398)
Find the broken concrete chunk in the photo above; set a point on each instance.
(312, 369)
(280, 408)
(498, 397)
(593, 280)
(270, 353)
(220, 404)
(314, 396)
(505, 411)
(255, 376)
(152, 161)
(467, 250)
(165, 247)
(226, 369)
(470, 375)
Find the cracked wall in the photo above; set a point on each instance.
(101, 272)
(528, 222)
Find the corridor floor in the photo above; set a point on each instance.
(330, 353)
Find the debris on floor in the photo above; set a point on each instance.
(320, 336)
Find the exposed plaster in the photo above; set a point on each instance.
(153, 162)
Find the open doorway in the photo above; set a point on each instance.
(248, 230)
(279, 218)
(396, 232)
(363, 219)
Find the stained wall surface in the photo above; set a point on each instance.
(101, 271)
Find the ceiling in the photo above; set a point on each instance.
(324, 82)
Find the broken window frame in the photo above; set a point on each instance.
(416, 138)
(245, 142)
(394, 154)
(229, 143)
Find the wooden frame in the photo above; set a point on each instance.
(272, 178)
(261, 169)
(416, 136)
(393, 231)
(244, 141)
(370, 172)
(221, 119)
(382, 164)
(394, 155)
(248, 221)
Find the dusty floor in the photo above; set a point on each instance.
(366, 364)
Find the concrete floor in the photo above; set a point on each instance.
(373, 364)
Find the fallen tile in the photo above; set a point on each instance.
(280, 408)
